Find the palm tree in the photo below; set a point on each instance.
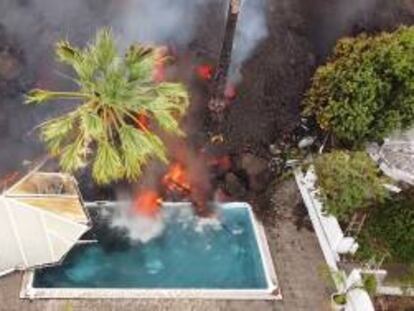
(117, 96)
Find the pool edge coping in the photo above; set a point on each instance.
(272, 292)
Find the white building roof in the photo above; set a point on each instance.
(396, 156)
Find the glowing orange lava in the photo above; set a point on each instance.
(142, 121)
(177, 179)
(147, 203)
(205, 72)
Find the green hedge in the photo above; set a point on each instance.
(348, 182)
(366, 90)
(390, 229)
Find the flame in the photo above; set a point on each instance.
(177, 179)
(205, 72)
(147, 203)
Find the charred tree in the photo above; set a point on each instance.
(217, 102)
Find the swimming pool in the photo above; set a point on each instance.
(229, 259)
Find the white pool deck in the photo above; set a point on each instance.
(271, 292)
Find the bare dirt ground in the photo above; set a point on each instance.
(394, 304)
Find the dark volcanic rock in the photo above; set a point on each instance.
(257, 171)
(252, 164)
(233, 186)
(10, 66)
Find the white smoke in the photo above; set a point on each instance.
(140, 228)
(160, 21)
(251, 30)
(38, 24)
(176, 22)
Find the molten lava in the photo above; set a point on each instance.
(142, 121)
(177, 179)
(205, 72)
(147, 203)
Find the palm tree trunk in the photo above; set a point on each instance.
(221, 75)
(217, 101)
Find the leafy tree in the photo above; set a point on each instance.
(119, 98)
(390, 229)
(348, 182)
(366, 90)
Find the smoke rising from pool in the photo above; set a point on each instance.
(138, 228)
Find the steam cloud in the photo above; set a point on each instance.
(139, 228)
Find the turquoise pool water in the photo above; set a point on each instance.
(217, 257)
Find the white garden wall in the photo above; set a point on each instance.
(332, 239)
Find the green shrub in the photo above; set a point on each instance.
(366, 89)
(348, 182)
(369, 283)
(390, 229)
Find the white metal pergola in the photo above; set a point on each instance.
(41, 218)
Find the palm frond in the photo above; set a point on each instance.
(107, 165)
(113, 90)
(134, 156)
(170, 96)
(92, 125)
(168, 122)
(104, 49)
(38, 96)
(141, 61)
(55, 132)
(73, 156)
(66, 53)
